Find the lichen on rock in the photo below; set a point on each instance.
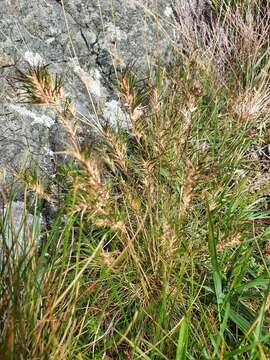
(86, 42)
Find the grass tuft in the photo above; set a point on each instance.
(160, 249)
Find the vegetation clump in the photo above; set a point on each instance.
(160, 249)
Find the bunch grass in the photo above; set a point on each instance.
(159, 250)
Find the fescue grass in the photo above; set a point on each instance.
(160, 249)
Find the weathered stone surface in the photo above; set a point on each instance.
(18, 224)
(5, 59)
(85, 41)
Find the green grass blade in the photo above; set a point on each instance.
(182, 340)
(214, 260)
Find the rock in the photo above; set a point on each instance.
(85, 41)
(114, 115)
(24, 139)
(5, 60)
(18, 225)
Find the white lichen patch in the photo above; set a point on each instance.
(115, 115)
(36, 118)
(34, 59)
(91, 80)
(50, 40)
(168, 11)
(48, 151)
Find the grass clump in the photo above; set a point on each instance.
(160, 248)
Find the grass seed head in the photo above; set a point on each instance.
(38, 86)
(191, 177)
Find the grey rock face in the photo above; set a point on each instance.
(18, 225)
(85, 41)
